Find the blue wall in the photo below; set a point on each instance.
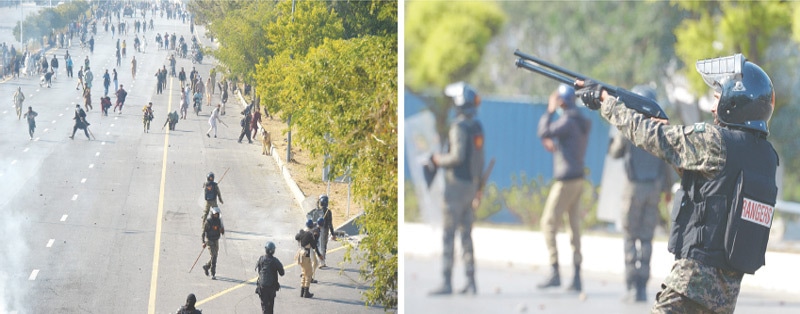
(510, 128)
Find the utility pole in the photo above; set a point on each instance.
(289, 120)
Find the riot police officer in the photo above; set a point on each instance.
(325, 226)
(213, 229)
(211, 194)
(189, 308)
(307, 244)
(648, 178)
(463, 165)
(268, 268)
(728, 174)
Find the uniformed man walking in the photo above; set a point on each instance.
(648, 177)
(463, 165)
(728, 174)
(303, 257)
(567, 138)
(325, 225)
(212, 230)
(268, 268)
(211, 194)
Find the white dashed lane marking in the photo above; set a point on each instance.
(91, 166)
(75, 197)
(97, 154)
(83, 180)
(64, 218)
(14, 161)
(26, 149)
(50, 243)
(34, 273)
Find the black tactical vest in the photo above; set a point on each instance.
(214, 228)
(210, 188)
(472, 166)
(267, 272)
(641, 166)
(724, 222)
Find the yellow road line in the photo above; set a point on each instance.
(226, 291)
(151, 307)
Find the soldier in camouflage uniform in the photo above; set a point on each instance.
(463, 165)
(648, 178)
(728, 172)
(567, 138)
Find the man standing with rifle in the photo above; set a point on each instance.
(464, 166)
(721, 229)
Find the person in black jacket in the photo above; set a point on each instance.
(268, 268)
(188, 308)
(212, 231)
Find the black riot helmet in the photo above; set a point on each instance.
(747, 97)
(191, 300)
(270, 248)
(465, 98)
(323, 201)
(210, 176)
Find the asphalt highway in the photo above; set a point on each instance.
(113, 224)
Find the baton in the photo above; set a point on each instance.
(198, 258)
(223, 123)
(223, 175)
(225, 240)
(90, 133)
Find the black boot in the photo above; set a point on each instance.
(446, 287)
(302, 292)
(308, 293)
(553, 281)
(641, 290)
(470, 287)
(576, 281)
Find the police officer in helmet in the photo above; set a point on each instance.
(648, 178)
(725, 167)
(189, 308)
(463, 166)
(268, 268)
(211, 194)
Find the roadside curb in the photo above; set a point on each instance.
(287, 177)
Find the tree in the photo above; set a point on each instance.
(720, 28)
(346, 90)
(336, 77)
(242, 38)
(444, 44)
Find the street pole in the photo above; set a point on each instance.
(289, 120)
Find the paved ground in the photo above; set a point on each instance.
(511, 262)
(113, 224)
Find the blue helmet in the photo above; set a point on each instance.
(323, 200)
(321, 221)
(567, 94)
(270, 247)
(310, 223)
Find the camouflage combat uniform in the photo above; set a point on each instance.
(692, 286)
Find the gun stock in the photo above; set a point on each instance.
(631, 100)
